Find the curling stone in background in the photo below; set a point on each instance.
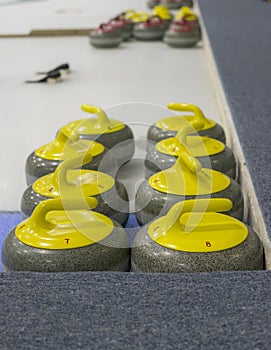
(45, 159)
(70, 182)
(105, 36)
(193, 237)
(168, 127)
(111, 133)
(122, 25)
(176, 4)
(211, 153)
(152, 29)
(185, 31)
(186, 179)
(67, 237)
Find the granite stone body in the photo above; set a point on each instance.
(113, 203)
(37, 167)
(126, 31)
(110, 254)
(181, 39)
(150, 33)
(157, 134)
(151, 203)
(223, 162)
(120, 143)
(107, 40)
(149, 256)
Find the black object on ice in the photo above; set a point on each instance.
(63, 67)
(52, 77)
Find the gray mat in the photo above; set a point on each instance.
(135, 311)
(240, 36)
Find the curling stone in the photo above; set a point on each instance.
(105, 36)
(211, 153)
(153, 29)
(68, 181)
(122, 25)
(194, 237)
(168, 127)
(111, 133)
(185, 31)
(186, 179)
(45, 159)
(176, 4)
(66, 237)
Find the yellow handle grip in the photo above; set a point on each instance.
(103, 122)
(198, 225)
(190, 162)
(194, 205)
(38, 217)
(185, 12)
(63, 137)
(136, 16)
(199, 119)
(162, 12)
(183, 133)
(60, 175)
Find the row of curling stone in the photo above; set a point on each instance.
(181, 31)
(75, 165)
(121, 27)
(194, 236)
(171, 4)
(67, 255)
(199, 208)
(73, 212)
(110, 142)
(183, 176)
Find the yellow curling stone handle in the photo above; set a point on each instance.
(136, 17)
(175, 123)
(199, 120)
(67, 181)
(56, 224)
(195, 226)
(67, 145)
(198, 146)
(162, 12)
(187, 178)
(102, 124)
(187, 13)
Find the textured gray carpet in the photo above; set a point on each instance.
(135, 311)
(240, 36)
